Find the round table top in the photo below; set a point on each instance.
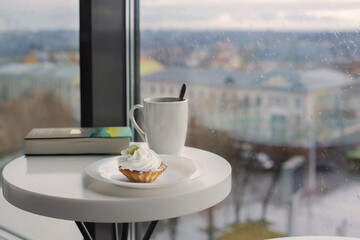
(58, 187)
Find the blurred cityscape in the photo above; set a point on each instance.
(257, 98)
(262, 87)
(39, 83)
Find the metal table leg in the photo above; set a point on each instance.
(115, 233)
(150, 230)
(124, 231)
(132, 231)
(84, 231)
(111, 231)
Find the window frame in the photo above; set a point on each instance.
(109, 68)
(109, 61)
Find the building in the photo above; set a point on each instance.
(22, 79)
(278, 107)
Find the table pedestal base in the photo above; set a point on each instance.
(93, 231)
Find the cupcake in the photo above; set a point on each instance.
(140, 164)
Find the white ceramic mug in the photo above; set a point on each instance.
(165, 123)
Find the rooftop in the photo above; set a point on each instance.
(286, 80)
(43, 70)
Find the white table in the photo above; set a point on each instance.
(58, 187)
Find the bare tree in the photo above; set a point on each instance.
(19, 116)
(173, 223)
(240, 181)
(241, 156)
(279, 154)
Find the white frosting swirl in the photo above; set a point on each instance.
(142, 160)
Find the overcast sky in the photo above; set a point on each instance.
(39, 14)
(194, 14)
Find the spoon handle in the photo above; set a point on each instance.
(182, 92)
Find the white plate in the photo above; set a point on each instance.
(179, 170)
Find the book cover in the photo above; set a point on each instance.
(101, 140)
(99, 132)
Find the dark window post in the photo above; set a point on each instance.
(107, 67)
(103, 63)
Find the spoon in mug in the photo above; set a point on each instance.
(182, 92)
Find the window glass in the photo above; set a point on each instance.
(294, 128)
(39, 87)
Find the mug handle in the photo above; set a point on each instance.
(133, 121)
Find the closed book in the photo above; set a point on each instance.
(100, 140)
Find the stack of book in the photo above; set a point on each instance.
(103, 140)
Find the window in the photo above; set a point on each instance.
(298, 102)
(258, 100)
(153, 90)
(297, 48)
(162, 90)
(40, 87)
(301, 60)
(246, 101)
